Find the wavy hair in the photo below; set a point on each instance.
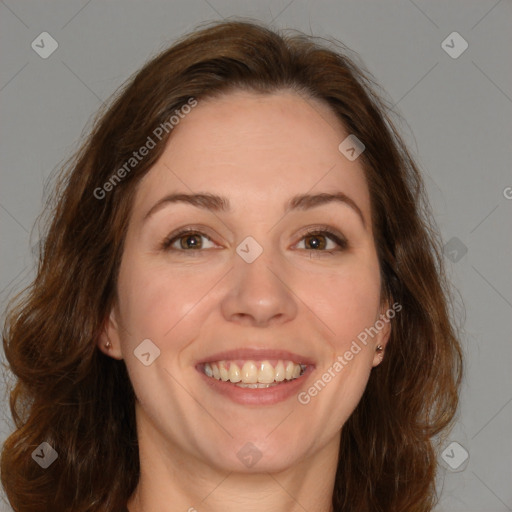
(68, 393)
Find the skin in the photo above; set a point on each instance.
(257, 151)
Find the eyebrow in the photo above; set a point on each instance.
(217, 203)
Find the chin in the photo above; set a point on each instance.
(257, 453)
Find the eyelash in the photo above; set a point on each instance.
(339, 239)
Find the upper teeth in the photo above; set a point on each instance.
(252, 372)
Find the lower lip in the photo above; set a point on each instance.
(258, 396)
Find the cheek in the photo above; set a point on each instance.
(159, 302)
(349, 304)
(347, 301)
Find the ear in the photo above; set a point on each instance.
(109, 339)
(383, 324)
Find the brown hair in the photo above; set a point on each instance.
(69, 394)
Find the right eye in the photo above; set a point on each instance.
(187, 239)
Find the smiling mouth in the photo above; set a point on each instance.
(254, 374)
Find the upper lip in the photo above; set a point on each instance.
(257, 354)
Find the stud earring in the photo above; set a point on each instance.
(379, 348)
(108, 345)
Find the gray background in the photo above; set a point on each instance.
(459, 128)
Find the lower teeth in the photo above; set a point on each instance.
(256, 386)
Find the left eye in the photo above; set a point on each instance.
(319, 241)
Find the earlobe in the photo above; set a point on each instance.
(382, 339)
(379, 355)
(108, 341)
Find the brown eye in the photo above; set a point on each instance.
(190, 241)
(186, 240)
(323, 241)
(316, 241)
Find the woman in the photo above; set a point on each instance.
(241, 301)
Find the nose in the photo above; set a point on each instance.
(258, 294)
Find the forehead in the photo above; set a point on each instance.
(256, 149)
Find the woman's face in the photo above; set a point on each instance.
(249, 291)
